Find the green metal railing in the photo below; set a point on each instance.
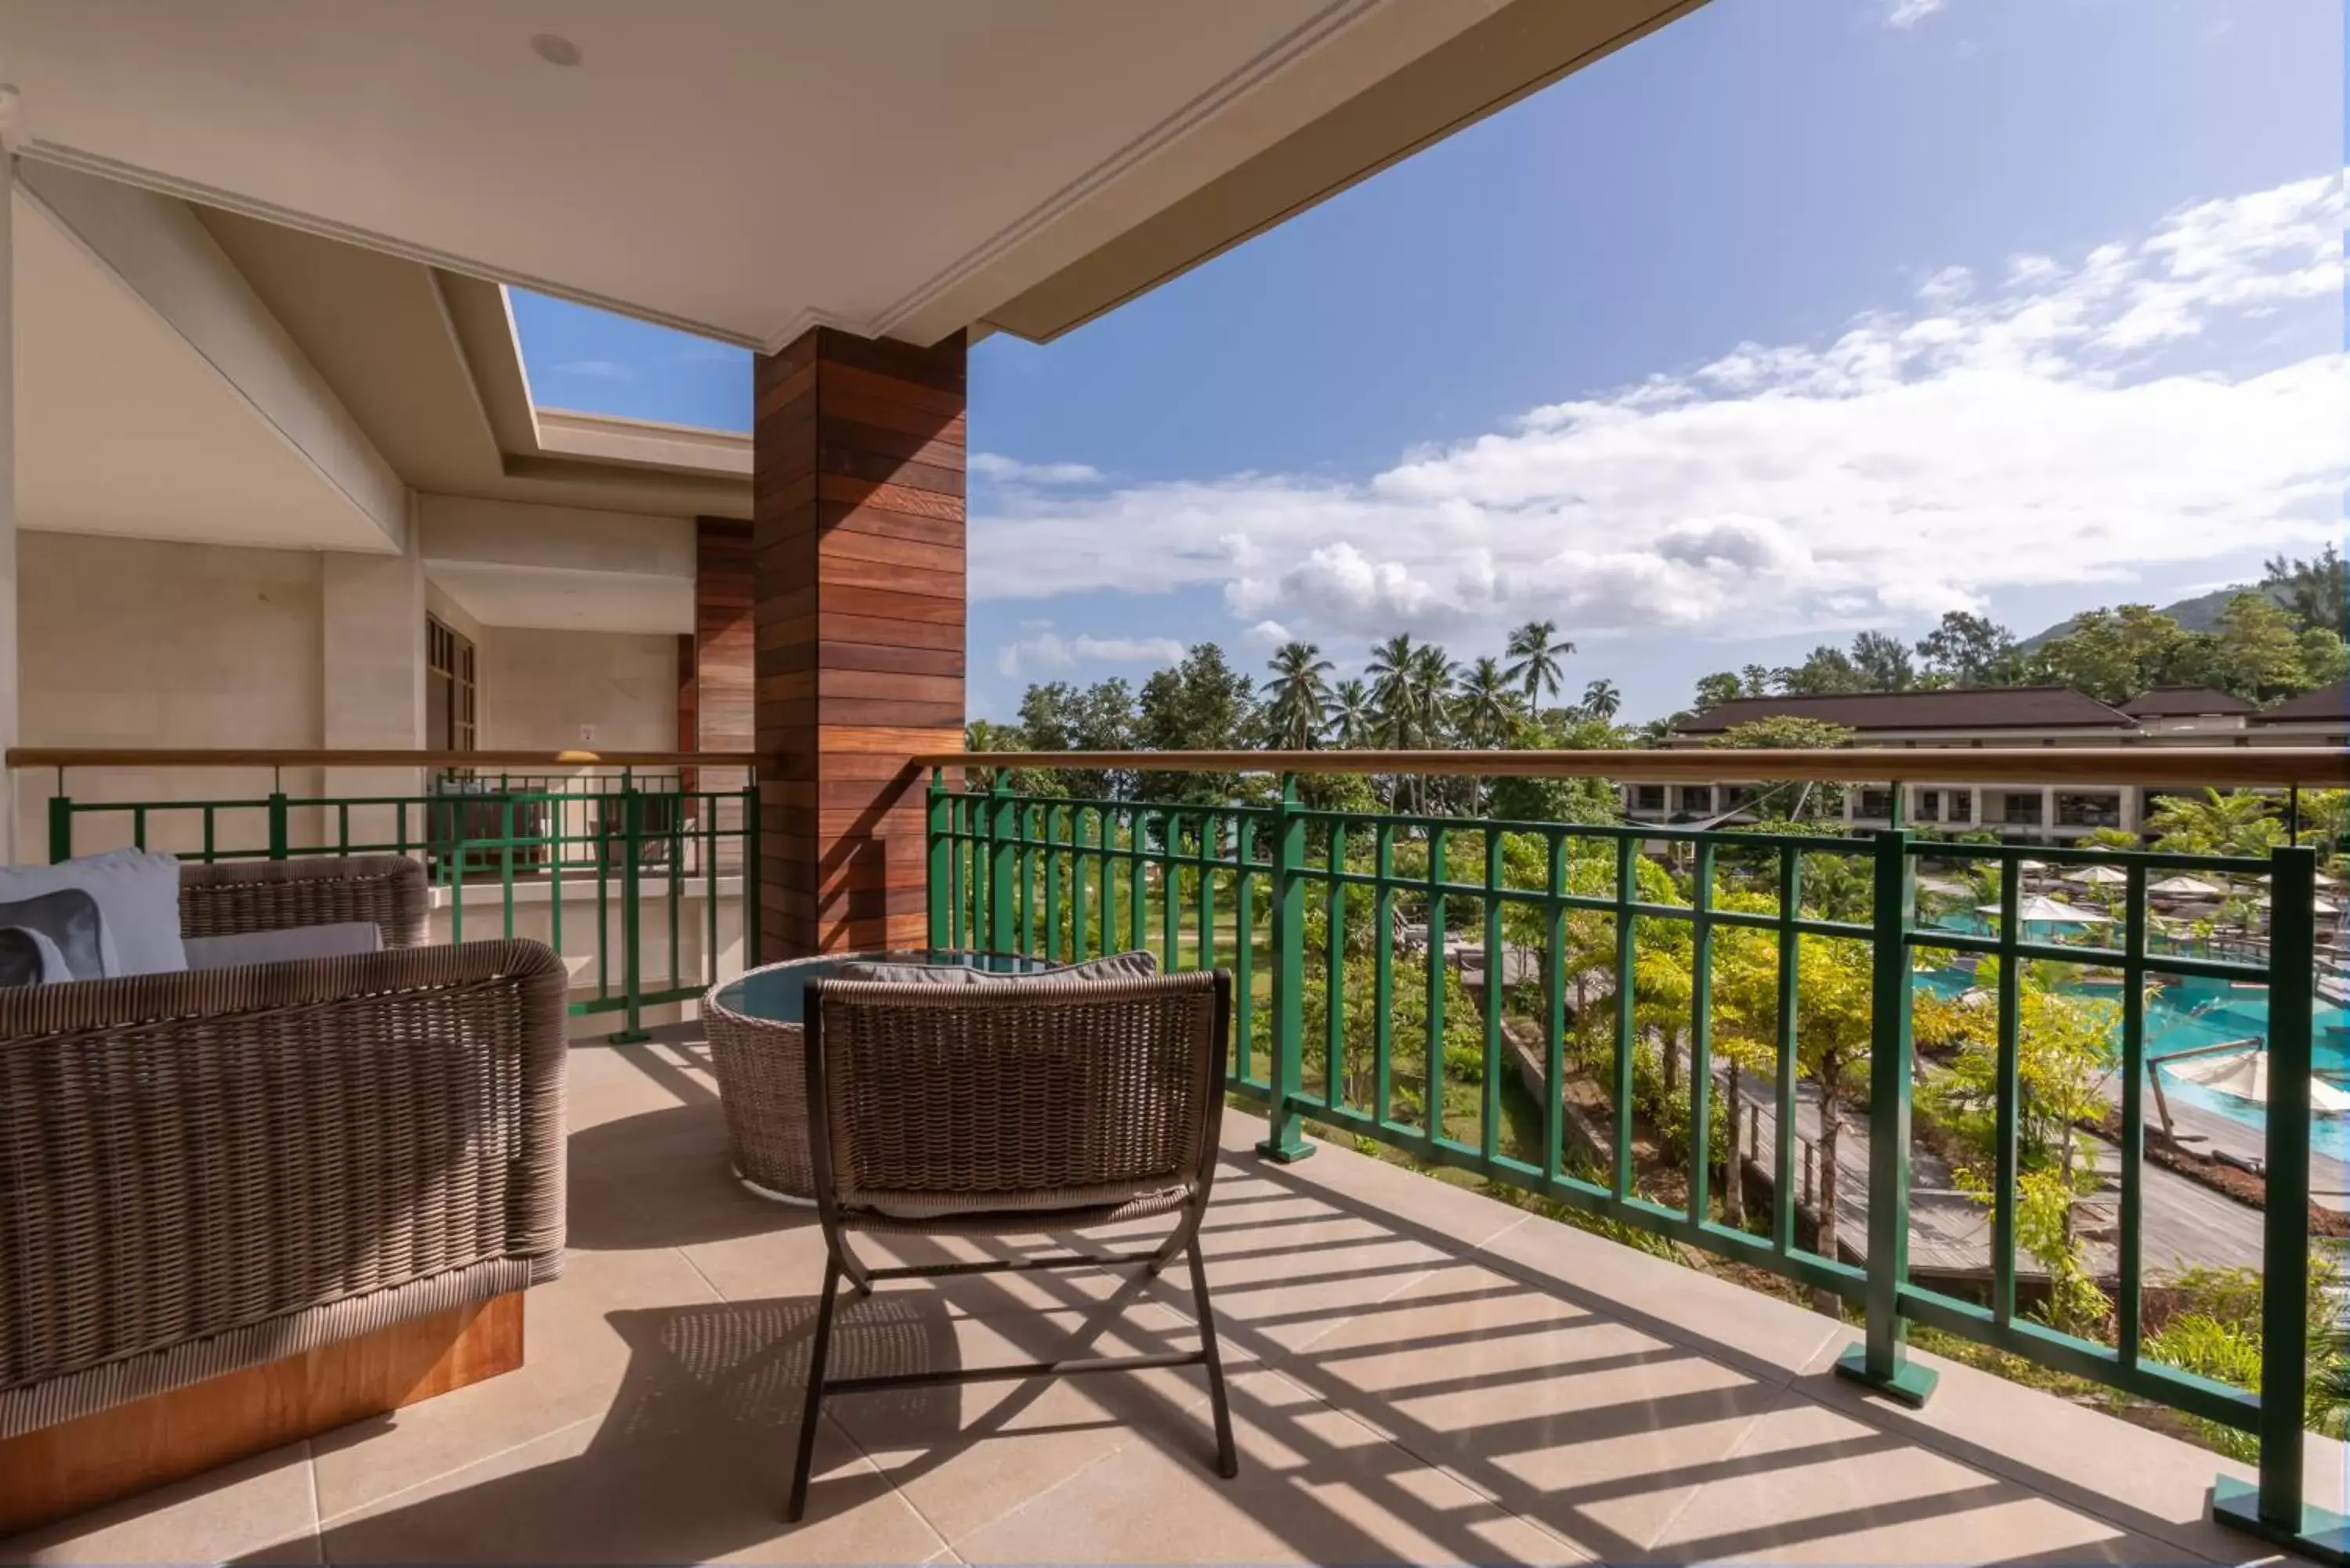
(647, 849)
(1312, 908)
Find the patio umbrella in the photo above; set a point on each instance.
(2032, 866)
(2185, 887)
(2322, 880)
(2245, 1076)
(2103, 876)
(1943, 888)
(2041, 910)
(2325, 907)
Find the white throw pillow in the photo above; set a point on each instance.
(137, 895)
(342, 940)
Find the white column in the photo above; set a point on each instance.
(372, 651)
(1975, 807)
(2048, 810)
(8, 132)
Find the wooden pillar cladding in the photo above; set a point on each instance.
(857, 498)
(724, 594)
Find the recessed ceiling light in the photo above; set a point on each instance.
(554, 49)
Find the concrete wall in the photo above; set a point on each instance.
(540, 689)
(129, 642)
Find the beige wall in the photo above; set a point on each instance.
(129, 642)
(538, 688)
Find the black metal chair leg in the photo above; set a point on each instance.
(1228, 1464)
(813, 1409)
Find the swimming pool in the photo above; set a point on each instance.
(2185, 1012)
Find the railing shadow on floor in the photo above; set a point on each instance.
(711, 1397)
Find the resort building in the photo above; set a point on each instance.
(2003, 717)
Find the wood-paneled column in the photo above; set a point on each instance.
(858, 525)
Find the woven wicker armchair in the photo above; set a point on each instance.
(1041, 1107)
(211, 1170)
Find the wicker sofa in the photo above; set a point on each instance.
(213, 1170)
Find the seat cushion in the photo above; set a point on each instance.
(70, 921)
(137, 895)
(343, 940)
(1134, 965)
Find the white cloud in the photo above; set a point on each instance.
(1011, 470)
(2072, 423)
(596, 369)
(1910, 13)
(1047, 649)
(1265, 636)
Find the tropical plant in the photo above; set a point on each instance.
(1298, 696)
(2314, 590)
(2062, 1064)
(1534, 650)
(1350, 714)
(1486, 705)
(1601, 700)
(2218, 822)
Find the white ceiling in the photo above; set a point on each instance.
(743, 168)
(552, 599)
(124, 428)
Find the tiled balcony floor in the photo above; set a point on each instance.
(1418, 1373)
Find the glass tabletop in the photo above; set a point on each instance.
(777, 991)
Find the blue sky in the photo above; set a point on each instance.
(1799, 316)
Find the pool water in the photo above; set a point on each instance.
(2188, 1012)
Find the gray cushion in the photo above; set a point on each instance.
(1136, 965)
(28, 956)
(295, 942)
(75, 927)
(138, 894)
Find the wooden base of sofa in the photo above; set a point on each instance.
(63, 1469)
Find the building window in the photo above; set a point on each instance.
(1929, 805)
(1696, 798)
(1963, 805)
(1876, 805)
(449, 696)
(2019, 810)
(1647, 797)
(2088, 810)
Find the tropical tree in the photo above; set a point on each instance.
(1350, 714)
(1297, 695)
(2063, 1060)
(1832, 1033)
(1968, 650)
(1534, 650)
(1601, 700)
(1393, 666)
(2231, 822)
(1883, 662)
(2316, 590)
(1486, 704)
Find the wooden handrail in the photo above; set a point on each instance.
(2274, 766)
(238, 757)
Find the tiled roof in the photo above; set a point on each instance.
(1965, 707)
(2184, 703)
(2325, 702)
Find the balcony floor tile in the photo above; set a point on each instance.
(1417, 1371)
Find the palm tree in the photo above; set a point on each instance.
(1431, 683)
(1487, 703)
(1298, 694)
(1350, 713)
(1533, 659)
(1392, 663)
(2236, 822)
(1601, 700)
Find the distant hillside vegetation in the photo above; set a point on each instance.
(2201, 613)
